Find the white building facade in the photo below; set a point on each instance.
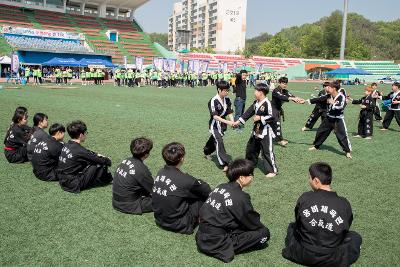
(218, 24)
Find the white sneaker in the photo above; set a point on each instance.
(304, 129)
(357, 136)
(348, 155)
(283, 143)
(271, 175)
(207, 157)
(313, 148)
(368, 138)
(225, 169)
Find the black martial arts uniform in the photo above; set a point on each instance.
(132, 186)
(218, 107)
(229, 224)
(334, 121)
(15, 143)
(38, 135)
(45, 159)
(319, 110)
(279, 96)
(377, 110)
(261, 138)
(394, 110)
(79, 168)
(320, 236)
(365, 123)
(177, 199)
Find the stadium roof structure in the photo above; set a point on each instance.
(129, 4)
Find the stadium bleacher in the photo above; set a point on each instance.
(45, 44)
(132, 41)
(384, 68)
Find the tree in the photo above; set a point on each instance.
(332, 34)
(161, 38)
(278, 46)
(312, 44)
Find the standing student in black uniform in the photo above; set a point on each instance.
(133, 182)
(334, 120)
(220, 108)
(229, 225)
(366, 117)
(280, 95)
(79, 168)
(40, 122)
(47, 152)
(239, 89)
(17, 137)
(376, 94)
(177, 196)
(321, 234)
(261, 138)
(394, 109)
(319, 110)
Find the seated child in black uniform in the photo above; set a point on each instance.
(79, 168)
(321, 234)
(17, 136)
(47, 152)
(229, 224)
(133, 182)
(177, 196)
(40, 122)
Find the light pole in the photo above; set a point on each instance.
(344, 27)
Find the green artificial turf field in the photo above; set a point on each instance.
(43, 225)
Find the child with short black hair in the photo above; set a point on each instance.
(334, 120)
(220, 108)
(366, 117)
(47, 152)
(394, 108)
(177, 196)
(321, 234)
(229, 225)
(79, 168)
(40, 122)
(261, 138)
(17, 136)
(133, 182)
(319, 110)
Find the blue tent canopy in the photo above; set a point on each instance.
(348, 71)
(67, 62)
(95, 61)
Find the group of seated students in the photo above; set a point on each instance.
(227, 222)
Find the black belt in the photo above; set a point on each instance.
(210, 229)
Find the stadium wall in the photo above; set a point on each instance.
(38, 58)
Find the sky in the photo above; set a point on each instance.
(271, 16)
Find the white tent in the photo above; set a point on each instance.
(5, 60)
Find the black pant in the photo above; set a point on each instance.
(345, 254)
(224, 245)
(365, 123)
(314, 116)
(265, 145)
(277, 124)
(185, 224)
(326, 127)
(91, 176)
(389, 117)
(46, 175)
(216, 143)
(377, 113)
(19, 155)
